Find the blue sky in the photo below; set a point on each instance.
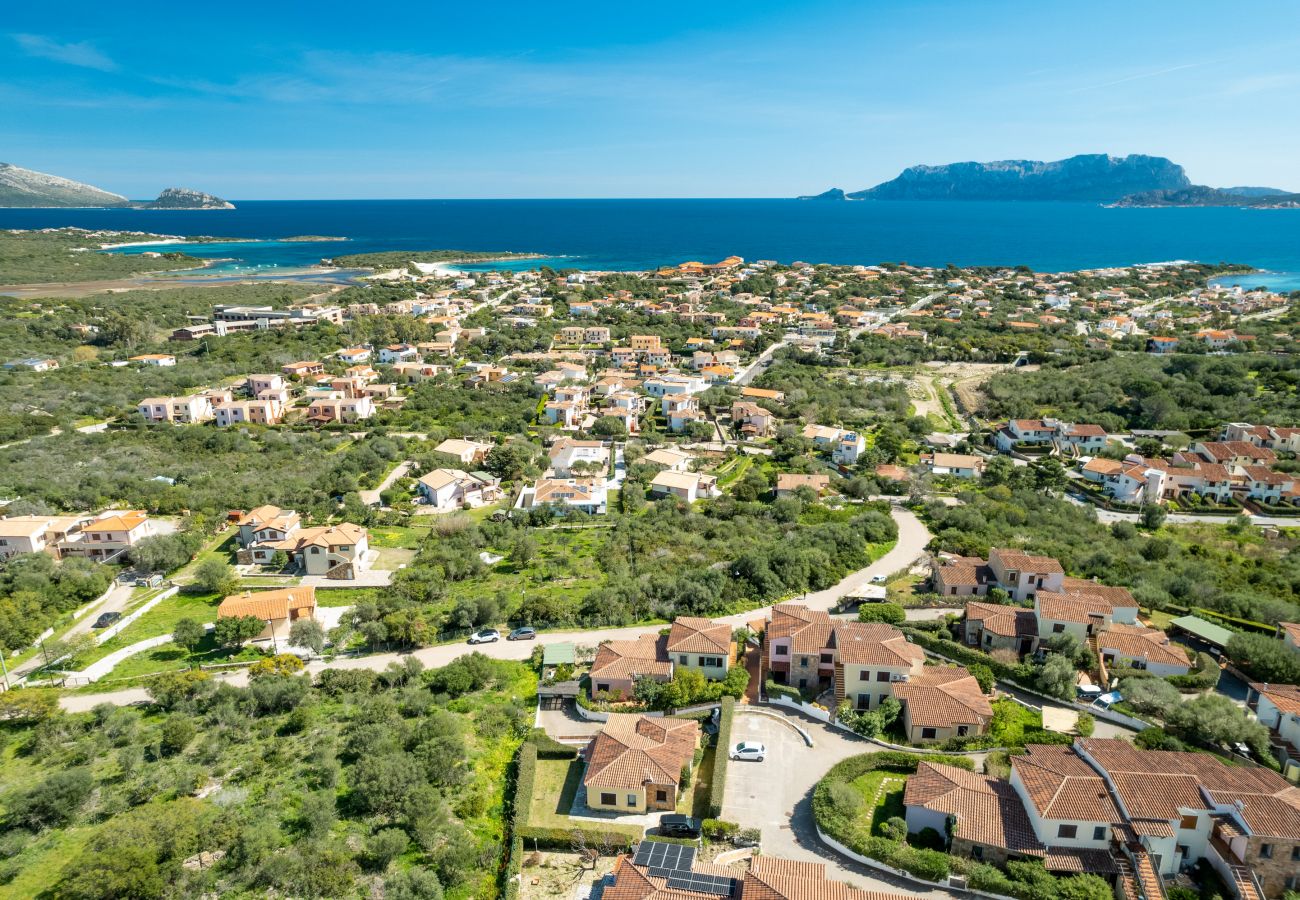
(668, 99)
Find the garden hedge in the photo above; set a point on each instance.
(721, 756)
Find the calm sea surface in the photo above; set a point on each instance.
(639, 234)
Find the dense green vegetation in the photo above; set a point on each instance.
(34, 589)
(71, 254)
(814, 393)
(362, 781)
(663, 560)
(1177, 393)
(214, 470)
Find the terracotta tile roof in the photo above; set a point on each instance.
(875, 644)
(125, 521)
(1117, 597)
(1155, 784)
(988, 810)
(1061, 785)
(268, 604)
(770, 878)
(1006, 621)
(694, 635)
(1026, 562)
(1103, 466)
(964, 572)
(1286, 697)
(631, 751)
(646, 655)
(343, 534)
(943, 696)
(1292, 629)
(1078, 608)
(809, 630)
(1138, 642)
(1080, 860)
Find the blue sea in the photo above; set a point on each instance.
(641, 234)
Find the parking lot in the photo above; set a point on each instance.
(776, 794)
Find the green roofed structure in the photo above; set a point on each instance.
(1206, 631)
(559, 654)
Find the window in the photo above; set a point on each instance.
(803, 661)
(1295, 852)
(952, 591)
(631, 799)
(976, 852)
(1058, 628)
(1099, 833)
(864, 701)
(882, 676)
(963, 730)
(803, 683)
(661, 796)
(827, 659)
(882, 698)
(864, 675)
(1187, 823)
(683, 659)
(602, 686)
(1265, 851)
(608, 800)
(928, 734)
(1067, 831)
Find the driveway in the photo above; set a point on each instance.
(566, 725)
(776, 794)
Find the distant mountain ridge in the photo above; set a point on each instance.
(28, 188)
(1093, 177)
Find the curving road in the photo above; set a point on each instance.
(913, 537)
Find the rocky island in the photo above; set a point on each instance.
(1120, 181)
(184, 198)
(1089, 177)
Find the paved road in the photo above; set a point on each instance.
(776, 795)
(372, 498)
(746, 375)
(912, 538)
(1108, 516)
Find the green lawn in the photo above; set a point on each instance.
(347, 596)
(171, 658)
(398, 536)
(565, 567)
(554, 788)
(695, 802)
(883, 793)
(161, 619)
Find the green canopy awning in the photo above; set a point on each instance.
(1206, 631)
(559, 654)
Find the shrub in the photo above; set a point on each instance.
(890, 613)
(525, 775)
(721, 756)
(718, 830)
(772, 689)
(931, 865)
(549, 748)
(1087, 724)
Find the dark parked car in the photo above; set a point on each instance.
(522, 634)
(106, 619)
(675, 825)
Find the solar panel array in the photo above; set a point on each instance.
(703, 884)
(663, 860)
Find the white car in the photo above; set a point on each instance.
(749, 750)
(485, 636)
(878, 579)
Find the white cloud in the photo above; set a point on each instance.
(81, 53)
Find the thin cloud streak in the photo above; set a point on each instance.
(80, 53)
